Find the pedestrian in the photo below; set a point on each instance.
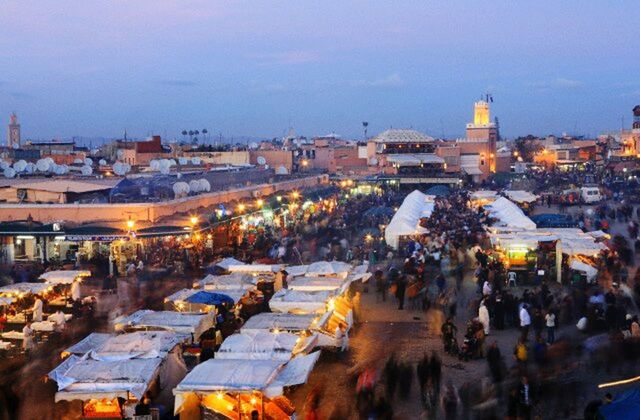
(483, 317)
(525, 400)
(435, 371)
(381, 286)
(401, 287)
(550, 319)
(405, 380)
(525, 322)
(495, 362)
(450, 401)
(391, 372)
(498, 312)
(27, 338)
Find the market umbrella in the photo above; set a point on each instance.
(209, 298)
(439, 191)
(625, 406)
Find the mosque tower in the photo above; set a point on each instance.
(13, 132)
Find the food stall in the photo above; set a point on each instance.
(66, 284)
(265, 345)
(192, 324)
(297, 302)
(196, 301)
(111, 374)
(234, 388)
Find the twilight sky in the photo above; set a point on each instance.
(94, 68)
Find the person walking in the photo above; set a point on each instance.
(525, 322)
(550, 319)
(483, 317)
(401, 285)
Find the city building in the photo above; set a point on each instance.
(138, 153)
(13, 132)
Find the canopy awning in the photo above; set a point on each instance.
(471, 170)
(405, 222)
(64, 276)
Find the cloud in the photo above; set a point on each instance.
(392, 81)
(287, 57)
(177, 82)
(558, 84)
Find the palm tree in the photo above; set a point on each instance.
(191, 134)
(205, 132)
(184, 134)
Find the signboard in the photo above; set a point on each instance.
(96, 238)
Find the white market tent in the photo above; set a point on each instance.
(261, 345)
(64, 276)
(573, 241)
(520, 196)
(236, 281)
(272, 321)
(487, 195)
(245, 376)
(406, 220)
(328, 268)
(178, 322)
(297, 270)
(85, 379)
(25, 288)
(112, 366)
(316, 284)
(6, 301)
(226, 262)
(255, 268)
(590, 271)
(294, 301)
(509, 215)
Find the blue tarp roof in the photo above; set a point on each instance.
(439, 191)
(626, 406)
(209, 298)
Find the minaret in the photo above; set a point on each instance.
(13, 132)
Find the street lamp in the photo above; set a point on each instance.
(241, 207)
(295, 195)
(194, 220)
(130, 224)
(259, 202)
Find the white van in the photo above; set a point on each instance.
(590, 194)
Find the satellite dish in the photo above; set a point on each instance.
(196, 161)
(282, 170)
(102, 162)
(86, 170)
(88, 161)
(20, 165)
(261, 160)
(9, 173)
(373, 161)
(31, 168)
(183, 161)
(78, 161)
(154, 165)
(253, 145)
(204, 185)
(194, 186)
(43, 165)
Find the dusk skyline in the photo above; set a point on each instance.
(247, 69)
